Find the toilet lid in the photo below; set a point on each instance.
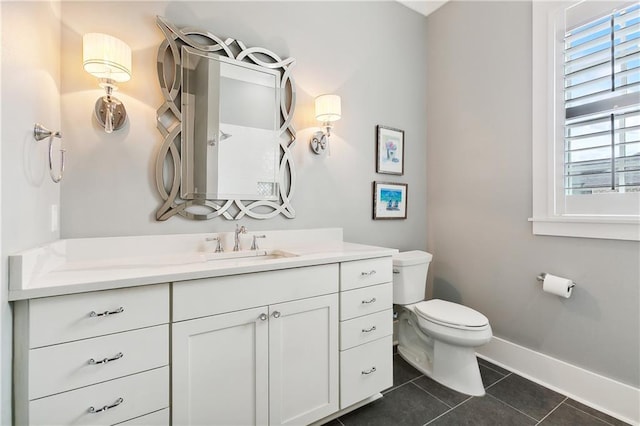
(448, 313)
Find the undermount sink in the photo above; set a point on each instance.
(177, 260)
(249, 255)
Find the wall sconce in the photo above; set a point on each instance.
(328, 110)
(108, 59)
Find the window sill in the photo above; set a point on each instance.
(588, 227)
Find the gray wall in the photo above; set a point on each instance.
(30, 94)
(377, 55)
(371, 53)
(479, 198)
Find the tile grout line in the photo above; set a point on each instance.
(554, 409)
(437, 417)
(448, 411)
(496, 371)
(386, 391)
(512, 407)
(416, 378)
(497, 381)
(391, 389)
(438, 399)
(589, 414)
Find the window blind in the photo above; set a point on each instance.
(602, 104)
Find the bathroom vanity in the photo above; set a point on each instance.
(162, 330)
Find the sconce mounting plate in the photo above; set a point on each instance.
(119, 113)
(318, 142)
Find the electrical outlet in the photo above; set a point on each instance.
(55, 218)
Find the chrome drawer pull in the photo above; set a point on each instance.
(396, 271)
(276, 314)
(106, 407)
(94, 314)
(106, 360)
(366, 274)
(373, 328)
(263, 317)
(371, 370)
(366, 302)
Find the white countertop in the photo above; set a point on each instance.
(76, 266)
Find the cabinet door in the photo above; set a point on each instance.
(303, 353)
(220, 370)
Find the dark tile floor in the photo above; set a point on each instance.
(510, 400)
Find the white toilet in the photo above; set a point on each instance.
(437, 337)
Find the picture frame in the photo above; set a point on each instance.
(389, 150)
(390, 200)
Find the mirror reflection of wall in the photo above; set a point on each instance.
(230, 144)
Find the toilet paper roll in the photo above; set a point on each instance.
(557, 285)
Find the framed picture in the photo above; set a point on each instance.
(390, 151)
(389, 200)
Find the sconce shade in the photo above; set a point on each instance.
(328, 108)
(107, 57)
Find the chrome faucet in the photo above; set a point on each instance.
(254, 244)
(239, 230)
(219, 248)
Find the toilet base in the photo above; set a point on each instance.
(453, 366)
(457, 368)
(460, 374)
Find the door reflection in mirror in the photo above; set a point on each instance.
(231, 115)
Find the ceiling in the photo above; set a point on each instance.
(424, 7)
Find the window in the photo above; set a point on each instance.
(587, 119)
(601, 67)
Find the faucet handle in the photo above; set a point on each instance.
(254, 244)
(219, 248)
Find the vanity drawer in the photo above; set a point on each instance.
(363, 301)
(159, 418)
(141, 394)
(362, 273)
(365, 370)
(67, 318)
(365, 329)
(212, 296)
(60, 368)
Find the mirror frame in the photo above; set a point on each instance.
(169, 123)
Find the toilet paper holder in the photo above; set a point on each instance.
(544, 274)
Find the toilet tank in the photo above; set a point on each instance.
(410, 276)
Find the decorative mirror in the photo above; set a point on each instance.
(226, 128)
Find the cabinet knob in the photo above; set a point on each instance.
(276, 314)
(263, 317)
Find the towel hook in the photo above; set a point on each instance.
(39, 133)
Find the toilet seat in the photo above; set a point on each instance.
(450, 314)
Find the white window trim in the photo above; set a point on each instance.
(545, 220)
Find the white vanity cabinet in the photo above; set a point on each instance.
(366, 329)
(284, 340)
(256, 349)
(96, 358)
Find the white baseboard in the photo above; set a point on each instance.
(602, 393)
